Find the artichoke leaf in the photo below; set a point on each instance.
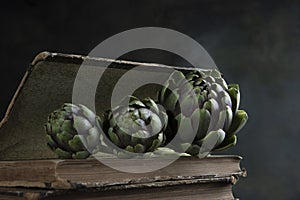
(227, 143)
(211, 140)
(93, 138)
(76, 144)
(114, 137)
(81, 155)
(81, 124)
(88, 113)
(203, 123)
(51, 142)
(139, 148)
(229, 118)
(233, 90)
(63, 154)
(239, 120)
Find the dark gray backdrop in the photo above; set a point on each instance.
(254, 43)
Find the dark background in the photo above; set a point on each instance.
(254, 43)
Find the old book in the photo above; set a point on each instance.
(49, 83)
(30, 170)
(186, 178)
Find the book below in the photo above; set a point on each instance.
(186, 178)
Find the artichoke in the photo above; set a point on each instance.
(137, 127)
(211, 109)
(73, 131)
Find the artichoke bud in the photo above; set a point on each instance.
(211, 106)
(73, 131)
(137, 127)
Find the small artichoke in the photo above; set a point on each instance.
(211, 109)
(71, 130)
(137, 127)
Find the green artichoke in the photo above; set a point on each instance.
(211, 109)
(72, 131)
(137, 127)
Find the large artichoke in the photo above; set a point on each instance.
(137, 127)
(211, 109)
(71, 130)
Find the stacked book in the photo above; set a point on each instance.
(186, 178)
